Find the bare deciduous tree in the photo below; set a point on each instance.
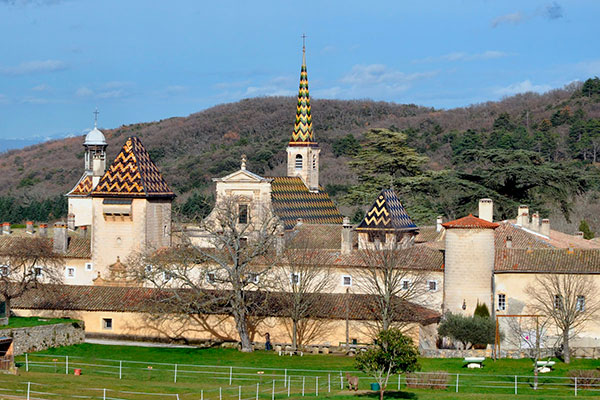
(218, 275)
(304, 273)
(390, 284)
(27, 263)
(569, 300)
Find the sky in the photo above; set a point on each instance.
(143, 60)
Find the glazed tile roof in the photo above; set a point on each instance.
(83, 187)
(78, 247)
(291, 200)
(548, 260)
(133, 174)
(470, 222)
(303, 129)
(138, 299)
(387, 213)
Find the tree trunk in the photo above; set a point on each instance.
(381, 393)
(566, 350)
(294, 335)
(7, 307)
(241, 322)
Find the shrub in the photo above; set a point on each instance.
(482, 310)
(586, 378)
(429, 380)
(468, 330)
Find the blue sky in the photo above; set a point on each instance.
(141, 61)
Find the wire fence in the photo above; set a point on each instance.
(214, 382)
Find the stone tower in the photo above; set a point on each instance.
(386, 225)
(303, 151)
(80, 202)
(131, 208)
(469, 264)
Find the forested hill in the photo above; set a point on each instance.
(513, 147)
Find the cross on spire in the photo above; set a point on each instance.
(303, 42)
(96, 117)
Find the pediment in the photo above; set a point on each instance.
(242, 176)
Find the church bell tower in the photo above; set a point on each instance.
(303, 151)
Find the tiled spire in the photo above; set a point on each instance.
(303, 131)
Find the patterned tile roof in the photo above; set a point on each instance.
(387, 213)
(137, 299)
(291, 200)
(470, 222)
(78, 247)
(548, 260)
(83, 187)
(303, 129)
(133, 174)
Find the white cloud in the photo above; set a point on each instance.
(463, 56)
(521, 87)
(34, 67)
(112, 94)
(35, 100)
(41, 88)
(590, 68)
(175, 89)
(84, 92)
(514, 19)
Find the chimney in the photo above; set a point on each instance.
(509, 242)
(523, 216)
(43, 230)
(6, 228)
(29, 227)
(71, 221)
(486, 210)
(438, 224)
(97, 166)
(279, 240)
(545, 229)
(299, 222)
(83, 231)
(346, 236)
(535, 222)
(61, 238)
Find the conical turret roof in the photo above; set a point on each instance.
(303, 130)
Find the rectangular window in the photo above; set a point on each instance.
(432, 286)
(107, 323)
(148, 269)
(89, 266)
(253, 277)
(346, 280)
(210, 277)
(4, 270)
(294, 278)
(70, 272)
(580, 306)
(558, 303)
(167, 276)
(405, 284)
(38, 272)
(501, 302)
(243, 213)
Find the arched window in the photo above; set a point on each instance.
(314, 161)
(298, 161)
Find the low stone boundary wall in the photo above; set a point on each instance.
(578, 352)
(42, 337)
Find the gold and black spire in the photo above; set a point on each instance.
(303, 130)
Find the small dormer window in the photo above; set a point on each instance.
(298, 161)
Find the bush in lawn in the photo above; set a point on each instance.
(468, 330)
(429, 380)
(586, 378)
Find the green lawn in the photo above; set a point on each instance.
(49, 367)
(23, 322)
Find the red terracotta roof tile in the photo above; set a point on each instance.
(470, 222)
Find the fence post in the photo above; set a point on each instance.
(303, 378)
(220, 393)
(175, 377)
(575, 386)
(239, 393)
(328, 383)
(273, 392)
(67, 366)
(341, 381)
(317, 387)
(230, 375)
(398, 381)
(28, 388)
(257, 387)
(202, 394)
(104, 394)
(177, 395)
(120, 369)
(456, 383)
(26, 363)
(289, 384)
(516, 385)
(285, 377)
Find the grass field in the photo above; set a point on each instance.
(23, 322)
(201, 372)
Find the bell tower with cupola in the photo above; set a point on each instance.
(303, 151)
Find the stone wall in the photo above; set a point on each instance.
(42, 337)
